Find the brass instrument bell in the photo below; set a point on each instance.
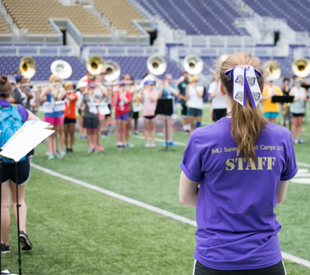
(272, 69)
(61, 69)
(156, 64)
(112, 70)
(95, 65)
(27, 67)
(222, 58)
(193, 64)
(301, 67)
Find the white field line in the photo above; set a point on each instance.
(303, 164)
(147, 206)
(162, 140)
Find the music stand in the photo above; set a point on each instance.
(165, 107)
(282, 99)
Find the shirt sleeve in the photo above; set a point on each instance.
(23, 112)
(290, 168)
(212, 88)
(191, 163)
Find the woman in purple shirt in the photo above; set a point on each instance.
(234, 173)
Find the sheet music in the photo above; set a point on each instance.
(25, 139)
(103, 108)
(56, 106)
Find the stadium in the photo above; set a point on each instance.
(109, 202)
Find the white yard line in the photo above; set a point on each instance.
(147, 206)
(161, 140)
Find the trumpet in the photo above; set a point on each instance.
(193, 64)
(156, 64)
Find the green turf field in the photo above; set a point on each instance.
(75, 230)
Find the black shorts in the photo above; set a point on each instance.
(277, 269)
(149, 117)
(69, 121)
(91, 123)
(298, 115)
(134, 115)
(9, 172)
(218, 114)
(194, 112)
(183, 110)
(109, 106)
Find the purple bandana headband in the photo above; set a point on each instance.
(245, 80)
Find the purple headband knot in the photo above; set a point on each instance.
(245, 80)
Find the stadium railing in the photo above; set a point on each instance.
(38, 51)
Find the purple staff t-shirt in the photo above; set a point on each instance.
(236, 224)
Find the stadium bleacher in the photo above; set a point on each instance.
(3, 27)
(34, 15)
(120, 13)
(196, 17)
(295, 12)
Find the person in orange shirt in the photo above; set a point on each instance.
(270, 110)
(70, 115)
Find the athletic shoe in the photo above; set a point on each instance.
(153, 144)
(58, 156)
(147, 145)
(172, 143)
(4, 248)
(135, 133)
(62, 153)
(300, 141)
(164, 144)
(99, 148)
(84, 136)
(296, 141)
(186, 131)
(67, 150)
(47, 153)
(90, 150)
(120, 147)
(71, 151)
(129, 145)
(80, 137)
(51, 156)
(24, 240)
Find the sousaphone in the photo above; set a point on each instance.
(156, 64)
(27, 67)
(301, 67)
(272, 69)
(193, 64)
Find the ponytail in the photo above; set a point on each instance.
(247, 121)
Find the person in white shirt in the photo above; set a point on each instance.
(194, 102)
(218, 101)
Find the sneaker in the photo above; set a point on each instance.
(135, 133)
(47, 153)
(295, 141)
(300, 141)
(172, 143)
(147, 145)
(62, 153)
(85, 136)
(67, 150)
(80, 137)
(4, 248)
(58, 156)
(120, 147)
(90, 150)
(51, 156)
(95, 150)
(99, 148)
(71, 150)
(153, 144)
(164, 144)
(129, 145)
(24, 240)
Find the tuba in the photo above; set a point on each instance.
(301, 67)
(61, 69)
(222, 58)
(272, 69)
(27, 67)
(112, 70)
(156, 64)
(193, 64)
(95, 65)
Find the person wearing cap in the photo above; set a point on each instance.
(69, 116)
(149, 98)
(183, 82)
(81, 86)
(270, 110)
(168, 90)
(298, 109)
(122, 100)
(194, 102)
(90, 118)
(51, 94)
(20, 95)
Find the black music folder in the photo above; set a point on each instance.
(282, 99)
(164, 107)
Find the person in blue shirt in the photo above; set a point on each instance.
(168, 90)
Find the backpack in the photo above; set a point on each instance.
(10, 122)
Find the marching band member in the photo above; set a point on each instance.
(270, 110)
(70, 115)
(90, 118)
(20, 94)
(52, 94)
(149, 99)
(9, 180)
(286, 114)
(168, 90)
(218, 105)
(100, 92)
(81, 86)
(182, 95)
(235, 181)
(194, 102)
(298, 109)
(122, 99)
